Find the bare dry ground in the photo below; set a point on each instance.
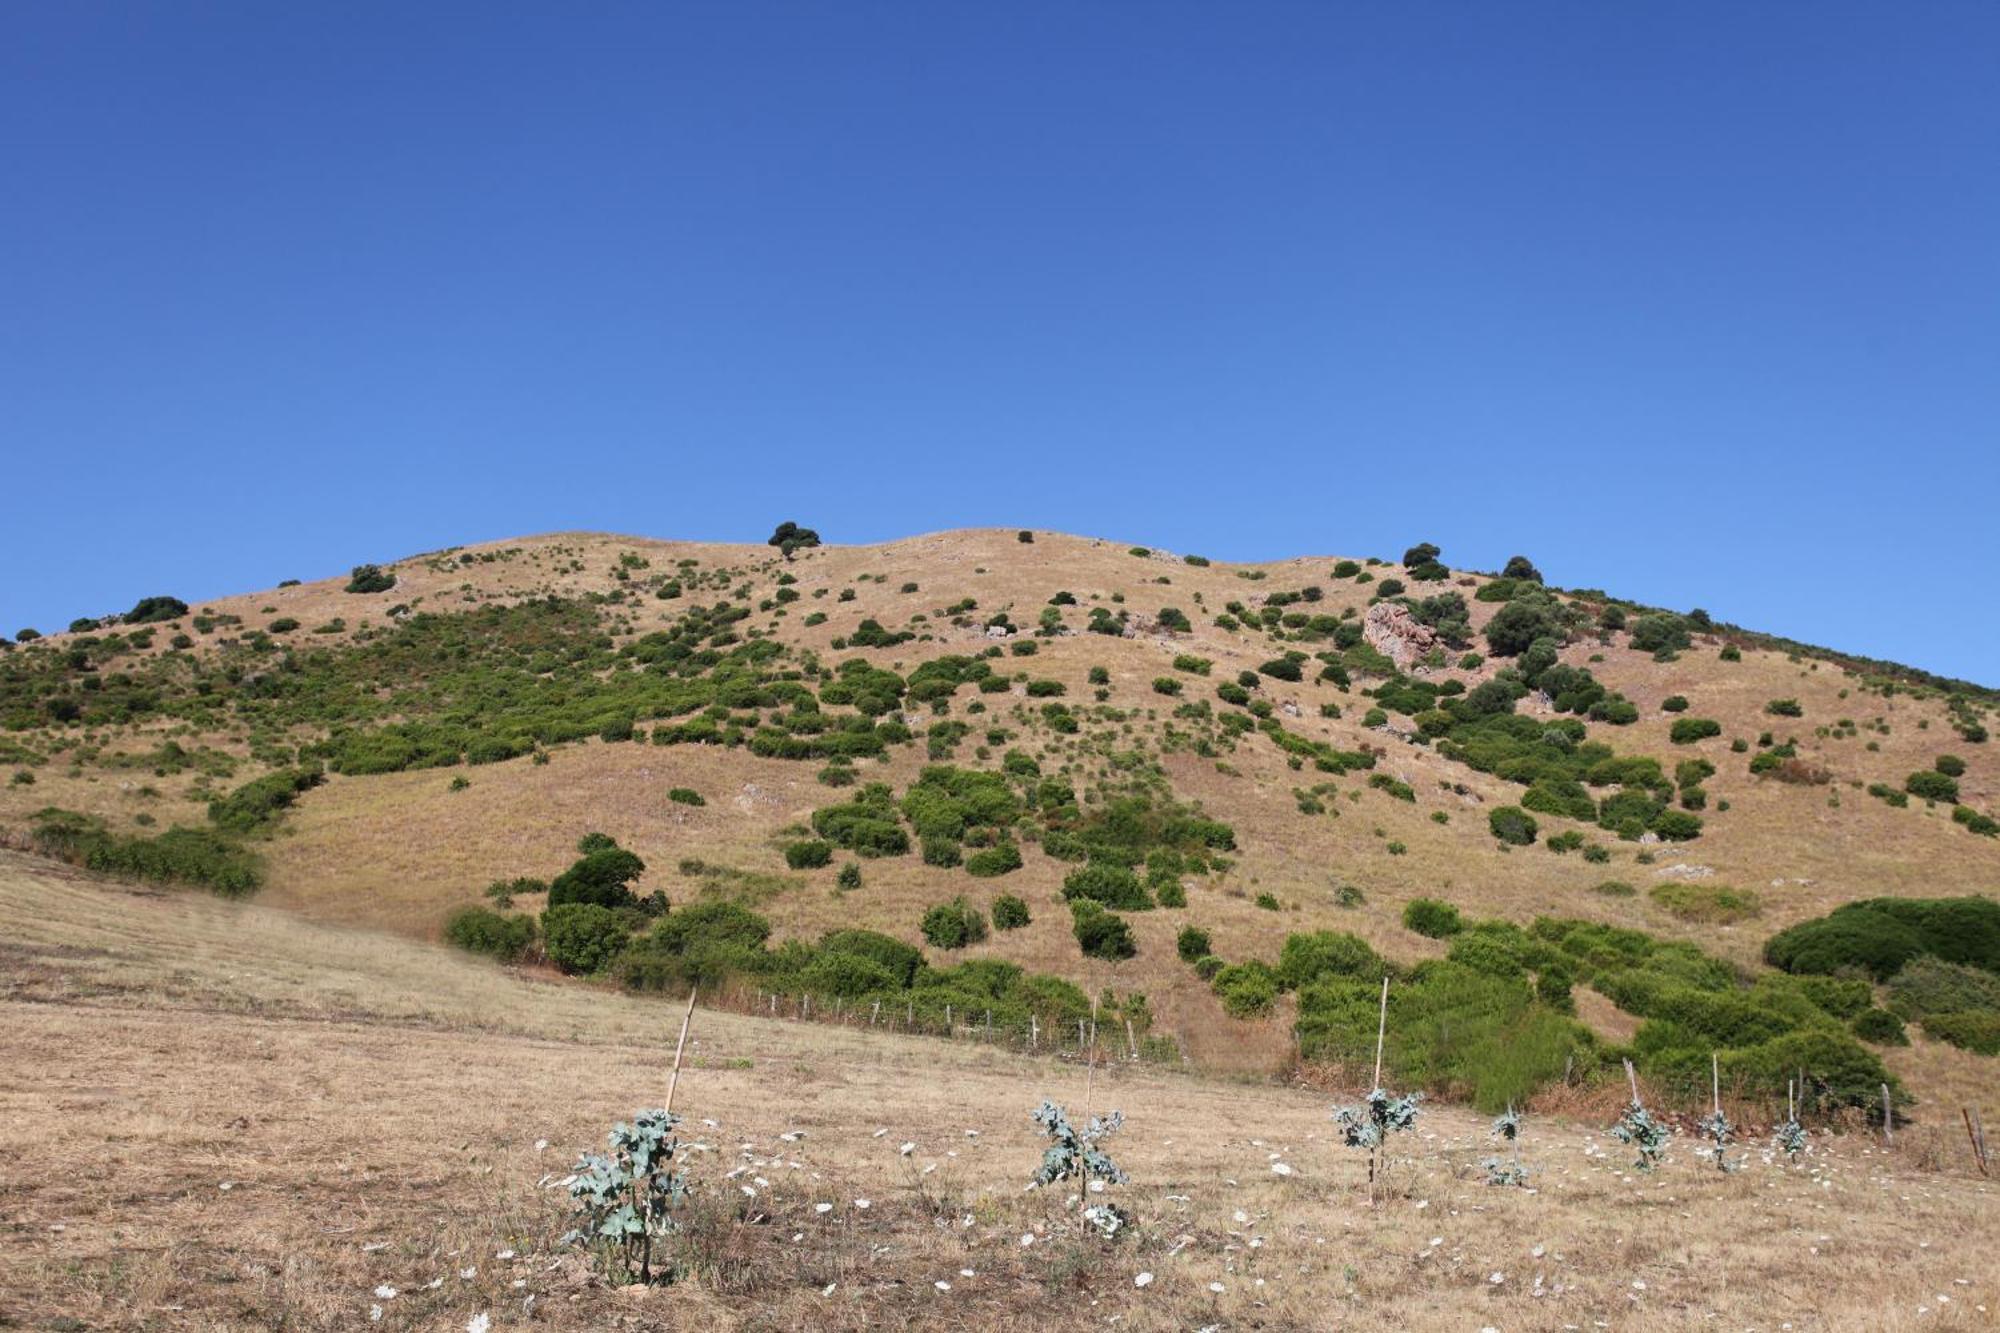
(222, 1116)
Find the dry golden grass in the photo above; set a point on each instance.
(221, 1116)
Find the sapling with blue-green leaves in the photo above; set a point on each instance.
(1369, 1124)
(1638, 1128)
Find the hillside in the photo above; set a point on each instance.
(1296, 747)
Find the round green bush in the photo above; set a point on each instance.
(581, 937)
(1428, 916)
(1880, 1027)
(953, 925)
(809, 854)
(481, 930)
(1950, 765)
(1512, 825)
(1932, 785)
(1101, 934)
(1000, 859)
(1192, 944)
(1009, 912)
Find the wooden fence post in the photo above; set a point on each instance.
(1888, 1119)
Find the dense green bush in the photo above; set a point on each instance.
(1428, 916)
(1932, 986)
(901, 961)
(602, 875)
(484, 931)
(370, 579)
(1101, 934)
(1973, 1030)
(258, 804)
(1784, 708)
(954, 925)
(809, 854)
(1880, 1027)
(1516, 626)
(1880, 935)
(1192, 944)
(1512, 825)
(1931, 785)
(1108, 884)
(152, 610)
(581, 937)
(1326, 953)
(1246, 989)
(211, 858)
(1010, 913)
(1950, 765)
(1000, 859)
(686, 796)
(1687, 730)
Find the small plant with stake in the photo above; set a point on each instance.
(1639, 1129)
(1507, 1170)
(1790, 1137)
(1077, 1153)
(1370, 1124)
(1717, 1127)
(625, 1200)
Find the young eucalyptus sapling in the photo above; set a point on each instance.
(1638, 1128)
(624, 1200)
(1507, 1170)
(1368, 1125)
(1790, 1136)
(1076, 1154)
(1716, 1126)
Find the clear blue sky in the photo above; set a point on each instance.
(1699, 303)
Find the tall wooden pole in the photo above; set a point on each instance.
(680, 1048)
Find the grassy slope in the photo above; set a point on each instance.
(398, 851)
(222, 1116)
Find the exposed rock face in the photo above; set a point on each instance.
(1393, 632)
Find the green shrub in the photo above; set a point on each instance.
(1950, 765)
(1615, 888)
(600, 876)
(257, 805)
(1932, 785)
(1192, 944)
(1880, 1027)
(370, 579)
(901, 962)
(481, 930)
(989, 862)
(1879, 935)
(1207, 968)
(1009, 912)
(1246, 989)
(1674, 703)
(1512, 825)
(1687, 730)
(1784, 708)
(954, 925)
(1516, 626)
(1267, 901)
(1326, 953)
(581, 937)
(1101, 934)
(1974, 1030)
(808, 854)
(849, 877)
(1428, 916)
(1109, 885)
(1927, 985)
(686, 796)
(152, 610)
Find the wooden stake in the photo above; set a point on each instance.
(1034, 1033)
(1089, 1083)
(1888, 1118)
(1381, 1032)
(1131, 1042)
(680, 1047)
(1632, 1077)
(1715, 1079)
(1791, 1111)
(1978, 1148)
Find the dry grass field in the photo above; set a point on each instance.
(227, 1116)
